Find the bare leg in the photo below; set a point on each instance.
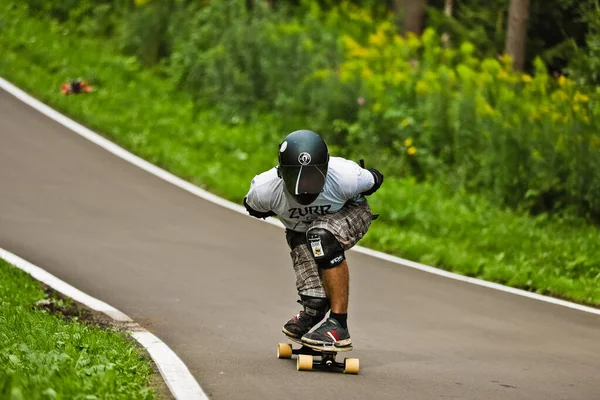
(336, 281)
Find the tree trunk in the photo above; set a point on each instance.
(413, 12)
(516, 37)
(448, 6)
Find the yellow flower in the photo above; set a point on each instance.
(360, 52)
(413, 41)
(360, 15)
(562, 81)
(405, 122)
(422, 88)
(367, 73)
(483, 78)
(483, 107)
(506, 60)
(349, 42)
(398, 40)
(526, 78)
(580, 97)
(354, 49)
(503, 75)
(398, 77)
(377, 39)
(585, 119)
(412, 151)
(559, 96)
(408, 142)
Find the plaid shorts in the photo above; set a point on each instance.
(348, 225)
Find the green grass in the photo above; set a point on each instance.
(44, 356)
(141, 111)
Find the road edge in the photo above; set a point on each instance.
(175, 373)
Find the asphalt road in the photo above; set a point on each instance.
(217, 286)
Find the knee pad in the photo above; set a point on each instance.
(325, 248)
(315, 306)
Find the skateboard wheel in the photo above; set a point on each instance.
(284, 350)
(351, 366)
(304, 363)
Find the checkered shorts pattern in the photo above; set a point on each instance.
(348, 225)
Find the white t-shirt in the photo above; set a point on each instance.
(345, 180)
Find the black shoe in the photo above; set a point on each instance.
(330, 333)
(300, 324)
(315, 309)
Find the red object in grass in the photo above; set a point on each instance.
(75, 87)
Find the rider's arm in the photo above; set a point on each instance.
(368, 186)
(361, 181)
(256, 213)
(256, 203)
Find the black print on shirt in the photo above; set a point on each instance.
(297, 213)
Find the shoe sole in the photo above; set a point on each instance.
(290, 334)
(339, 343)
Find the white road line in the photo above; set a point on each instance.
(177, 376)
(125, 155)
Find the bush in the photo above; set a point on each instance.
(438, 113)
(530, 140)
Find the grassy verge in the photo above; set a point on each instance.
(44, 356)
(424, 222)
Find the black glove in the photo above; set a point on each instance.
(378, 176)
(258, 214)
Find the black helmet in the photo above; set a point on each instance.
(303, 160)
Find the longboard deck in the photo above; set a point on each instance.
(323, 349)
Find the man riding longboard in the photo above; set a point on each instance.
(321, 202)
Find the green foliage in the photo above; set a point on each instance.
(530, 141)
(87, 17)
(429, 221)
(372, 90)
(584, 67)
(146, 34)
(236, 60)
(461, 232)
(44, 357)
(555, 29)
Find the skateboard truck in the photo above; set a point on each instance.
(305, 357)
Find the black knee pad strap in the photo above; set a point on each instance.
(315, 306)
(325, 248)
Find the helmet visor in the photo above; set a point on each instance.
(308, 179)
